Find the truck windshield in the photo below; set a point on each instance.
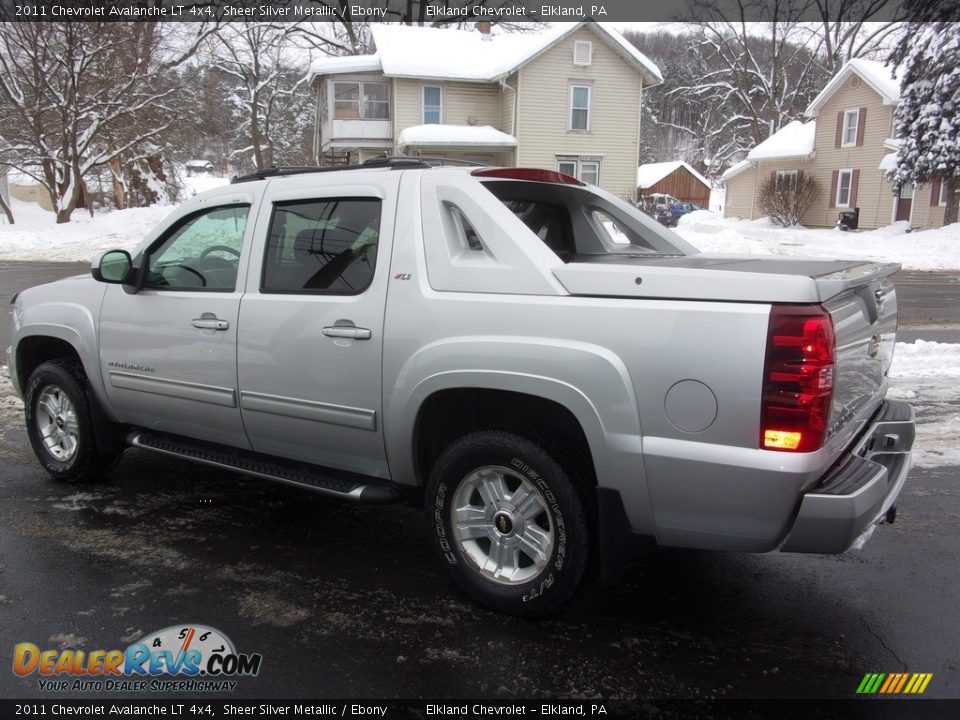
(585, 224)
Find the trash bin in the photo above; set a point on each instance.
(849, 219)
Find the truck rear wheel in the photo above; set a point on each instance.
(60, 424)
(508, 523)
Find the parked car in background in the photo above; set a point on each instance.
(658, 206)
(679, 209)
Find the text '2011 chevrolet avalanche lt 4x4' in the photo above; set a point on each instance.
(553, 374)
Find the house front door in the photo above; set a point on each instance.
(904, 202)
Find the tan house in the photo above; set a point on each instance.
(847, 146)
(566, 99)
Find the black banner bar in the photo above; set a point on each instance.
(205, 707)
(447, 11)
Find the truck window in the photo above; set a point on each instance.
(322, 246)
(580, 225)
(201, 252)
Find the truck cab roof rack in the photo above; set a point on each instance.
(395, 162)
(384, 162)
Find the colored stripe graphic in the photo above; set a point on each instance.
(894, 683)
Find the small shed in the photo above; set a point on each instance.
(673, 178)
(199, 167)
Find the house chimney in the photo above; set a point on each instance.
(483, 27)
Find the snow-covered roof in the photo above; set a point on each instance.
(736, 169)
(892, 143)
(199, 163)
(335, 65)
(875, 74)
(792, 140)
(448, 54)
(454, 136)
(888, 163)
(650, 174)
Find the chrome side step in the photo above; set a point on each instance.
(333, 483)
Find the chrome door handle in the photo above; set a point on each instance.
(347, 331)
(209, 321)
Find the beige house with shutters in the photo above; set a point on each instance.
(847, 145)
(565, 99)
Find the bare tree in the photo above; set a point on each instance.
(270, 98)
(786, 198)
(746, 68)
(76, 96)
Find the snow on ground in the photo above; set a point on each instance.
(926, 375)
(201, 183)
(926, 250)
(36, 236)
(718, 198)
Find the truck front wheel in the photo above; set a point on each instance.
(508, 523)
(60, 424)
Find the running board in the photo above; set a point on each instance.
(334, 483)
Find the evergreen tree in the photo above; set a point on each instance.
(927, 120)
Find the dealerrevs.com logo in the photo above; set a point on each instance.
(181, 658)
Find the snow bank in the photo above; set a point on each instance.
(925, 375)
(926, 250)
(37, 237)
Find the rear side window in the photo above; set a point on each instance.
(581, 224)
(322, 246)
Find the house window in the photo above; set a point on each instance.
(376, 101)
(786, 181)
(906, 191)
(580, 107)
(582, 52)
(584, 169)
(851, 122)
(361, 101)
(432, 104)
(844, 182)
(590, 172)
(944, 192)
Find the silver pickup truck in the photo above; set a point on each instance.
(557, 378)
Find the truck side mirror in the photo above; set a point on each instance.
(113, 266)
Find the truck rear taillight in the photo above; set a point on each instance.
(798, 378)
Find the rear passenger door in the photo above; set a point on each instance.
(311, 324)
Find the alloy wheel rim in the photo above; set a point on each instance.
(56, 421)
(501, 523)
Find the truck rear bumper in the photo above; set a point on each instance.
(856, 495)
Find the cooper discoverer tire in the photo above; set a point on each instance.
(508, 523)
(59, 423)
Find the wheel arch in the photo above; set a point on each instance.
(38, 344)
(450, 413)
